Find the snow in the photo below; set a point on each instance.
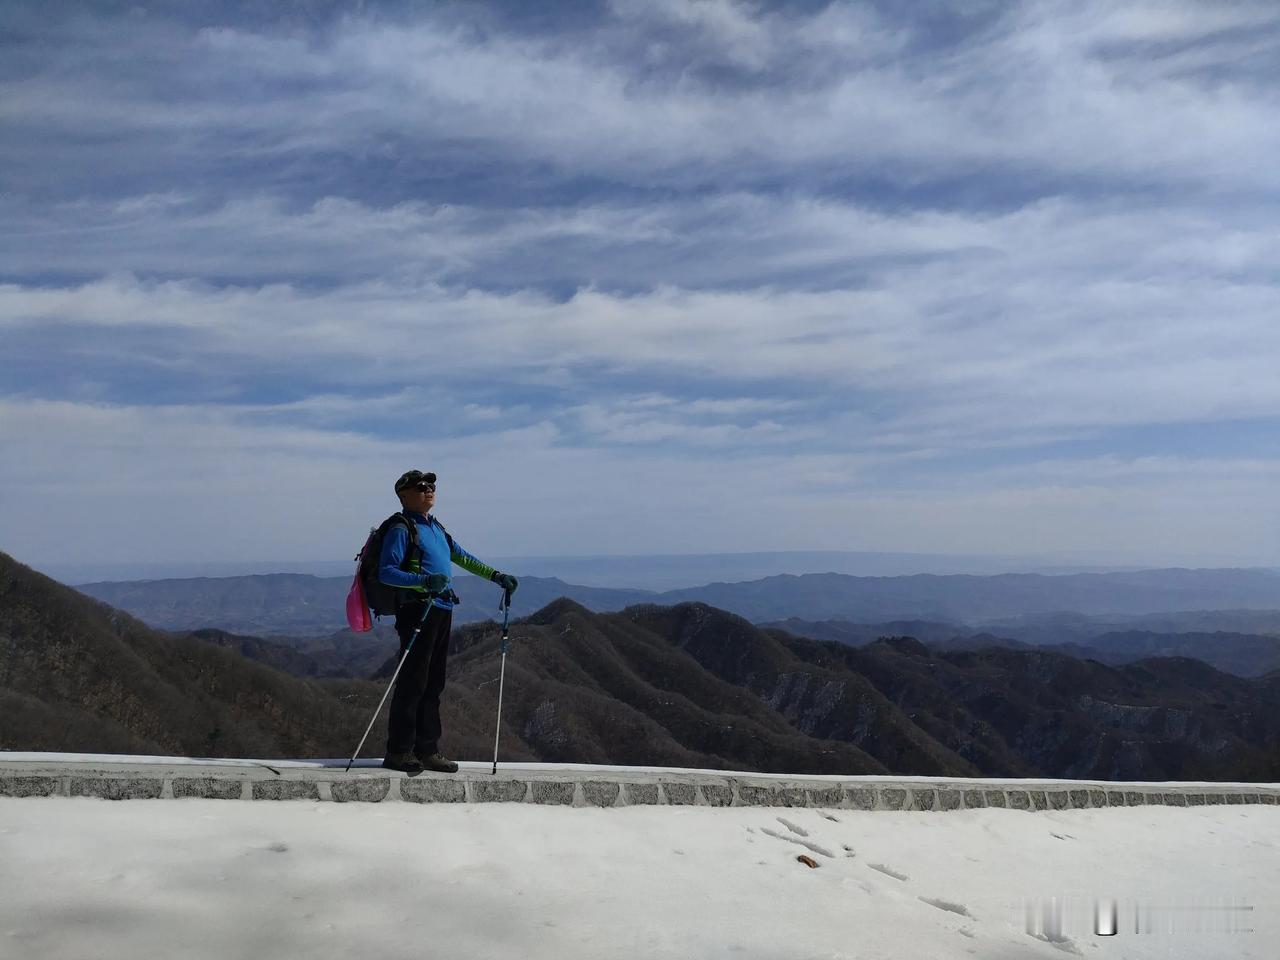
(212, 880)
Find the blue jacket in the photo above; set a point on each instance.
(437, 551)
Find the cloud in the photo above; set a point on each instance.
(1057, 315)
(1052, 89)
(897, 263)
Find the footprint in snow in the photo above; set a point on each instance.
(807, 844)
(801, 831)
(279, 847)
(1065, 944)
(947, 905)
(888, 871)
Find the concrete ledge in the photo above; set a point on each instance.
(550, 791)
(601, 793)
(717, 795)
(431, 791)
(922, 799)
(750, 795)
(826, 797)
(207, 788)
(680, 794)
(117, 779)
(862, 798)
(30, 786)
(117, 788)
(499, 791)
(286, 790)
(891, 799)
(364, 791)
(640, 793)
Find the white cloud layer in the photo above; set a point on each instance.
(1068, 89)
(987, 279)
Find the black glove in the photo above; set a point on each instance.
(506, 581)
(435, 582)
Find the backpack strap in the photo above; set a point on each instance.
(411, 546)
(448, 539)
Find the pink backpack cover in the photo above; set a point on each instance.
(358, 618)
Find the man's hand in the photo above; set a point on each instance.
(506, 581)
(435, 583)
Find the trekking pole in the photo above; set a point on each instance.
(404, 656)
(502, 672)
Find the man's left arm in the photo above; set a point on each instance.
(472, 565)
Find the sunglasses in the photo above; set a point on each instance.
(425, 487)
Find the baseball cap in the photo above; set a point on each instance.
(413, 477)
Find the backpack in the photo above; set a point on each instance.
(367, 592)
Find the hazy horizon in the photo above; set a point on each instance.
(654, 571)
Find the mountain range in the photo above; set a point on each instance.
(295, 604)
(682, 685)
(1242, 654)
(299, 605)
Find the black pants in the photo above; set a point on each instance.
(414, 724)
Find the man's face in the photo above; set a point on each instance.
(420, 497)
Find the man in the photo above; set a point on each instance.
(419, 569)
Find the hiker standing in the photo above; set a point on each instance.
(416, 557)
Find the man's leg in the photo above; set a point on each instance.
(411, 684)
(428, 719)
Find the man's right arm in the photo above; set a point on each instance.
(394, 546)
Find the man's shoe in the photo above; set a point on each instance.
(437, 763)
(404, 762)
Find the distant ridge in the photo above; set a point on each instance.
(642, 571)
(294, 604)
(1242, 654)
(299, 605)
(975, 600)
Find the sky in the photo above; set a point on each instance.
(641, 277)
(210, 879)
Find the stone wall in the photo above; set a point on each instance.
(614, 789)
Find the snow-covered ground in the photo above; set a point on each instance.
(218, 880)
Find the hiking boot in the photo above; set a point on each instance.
(404, 762)
(437, 763)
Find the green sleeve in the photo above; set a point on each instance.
(470, 564)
